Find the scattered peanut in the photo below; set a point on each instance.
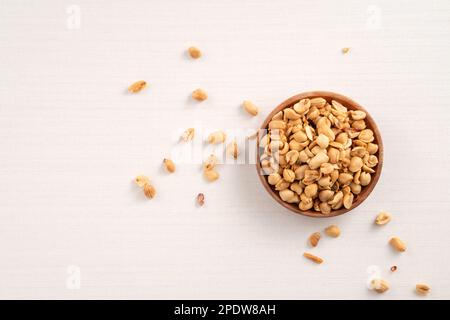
(397, 244)
(233, 149)
(327, 146)
(379, 285)
(170, 166)
(149, 190)
(141, 180)
(199, 95)
(314, 239)
(383, 218)
(137, 86)
(194, 52)
(345, 50)
(217, 137)
(188, 135)
(313, 258)
(250, 107)
(201, 199)
(211, 175)
(333, 231)
(422, 289)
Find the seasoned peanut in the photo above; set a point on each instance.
(397, 244)
(250, 107)
(199, 95)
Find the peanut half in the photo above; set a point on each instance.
(380, 285)
(188, 134)
(314, 239)
(194, 52)
(383, 218)
(137, 86)
(170, 166)
(250, 107)
(422, 289)
(397, 244)
(333, 231)
(199, 95)
(313, 258)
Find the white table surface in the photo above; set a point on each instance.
(73, 224)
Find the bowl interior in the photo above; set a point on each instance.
(351, 105)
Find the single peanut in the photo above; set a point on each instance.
(194, 52)
(250, 107)
(380, 285)
(314, 239)
(199, 95)
(149, 190)
(313, 258)
(141, 180)
(333, 231)
(422, 289)
(211, 175)
(397, 244)
(383, 218)
(217, 137)
(170, 166)
(137, 86)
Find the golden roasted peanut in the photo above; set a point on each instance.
(141, 180)
(372, 161)
(288, 175)
(333, 231)
(311, 176)
(170, 166)
(324, 208)
(342, 138)
(309, 132)
(281, 185)
(313, 258)
(326, 195)
(188, 135)
(314, 239)
(137, 86)
(302, 106)
(217, 137)
(211, 175)
(290, 114)
(250, 107)
(357, 114)
(317, 160)
(365, 178)
(348, 200)
(358, 152)
(233, 149)
(311, 190)
(326, 168)
(300, 137)
(210, 162)
(277, 124)
(338, 106)
(356, 188)
(300, 172)
(322, 141)
(149, 190)
(333, 155)
(292, 157)
(345, 178)
(379, 285)
(383, 218)
(356, 164)
(278, 116)
(201, 199)
(372, 148)
(324, 182)
(397, 244)
(194, 52)
(366, 136)
(305, 205)
(199, 95)
(359, 125)
(286, 195)
(345, 50)
(284, 149)
(318, 102)
(297, 188)
(274, 178)
(422, 289)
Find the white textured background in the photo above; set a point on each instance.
(71, 141)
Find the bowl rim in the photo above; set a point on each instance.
(350, 104)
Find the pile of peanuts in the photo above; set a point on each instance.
(318, 154)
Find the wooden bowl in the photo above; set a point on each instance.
(351, 105)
